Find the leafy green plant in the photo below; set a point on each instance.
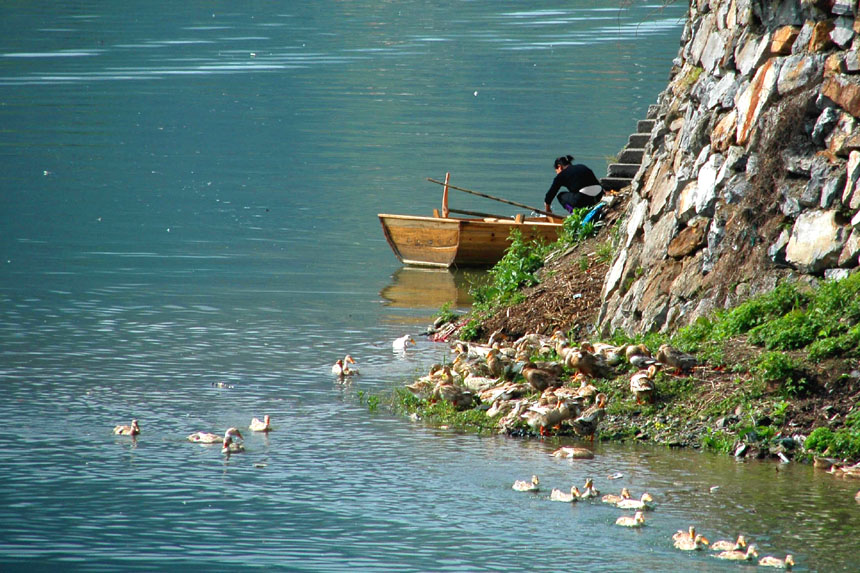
(445, 313)
(843, 443)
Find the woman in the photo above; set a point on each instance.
(583, 186)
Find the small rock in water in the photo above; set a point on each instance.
(714, 488)
(618, 475)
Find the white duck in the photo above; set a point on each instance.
(637, 520)
(228, 446)
(738, 555)
(558, 495)
(522, 485)
(403, 342)
(132, 430)
(341, 367)
(771, 561)
(210, 438)
(258, 425)
(642, 503)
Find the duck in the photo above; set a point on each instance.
(695, 544)
(228, 446)
(611, 354)
(522, 485)
(458, 396)
(636, 520)
(586, 391)
(771, 561)
(574, 453)
(403, 342)
(258, 425)
(591, 365)
(495, 364)
(588, 490)
(613, 499)
(642, 385)
(642, 503)
(341, 367)
(209, 438)
(738, 555)
(675, 358)
(558, 495)
(540, 418)
(681, 534)
(639, 356)
(587, 422)
(728, 545)
(539, 378)
(132, 430)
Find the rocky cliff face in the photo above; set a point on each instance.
(752, 171)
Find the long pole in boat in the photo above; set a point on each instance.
(445, 196)
(484, 195)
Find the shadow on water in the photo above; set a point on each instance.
(415, 287)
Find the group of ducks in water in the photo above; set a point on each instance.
(684, 540)
(229, 445)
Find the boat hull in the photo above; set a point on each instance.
(452, 241)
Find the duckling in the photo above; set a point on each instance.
(403, 342)
(258, 425)
(637, 520)
(539, 378)
(558, 495)
(541, 417)
(771, 561)
(571, 452)
(132, 430)
(522, 485)
(587, 422)
(642, 385)
(341, 367)
(677, 359)
(687, 544)
(209, 438)
(727, 545)
(738, 555)
(613, 499)
(642, 503)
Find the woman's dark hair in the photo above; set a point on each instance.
(563, 161)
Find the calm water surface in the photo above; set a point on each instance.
(188, 196)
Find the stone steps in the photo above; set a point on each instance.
(621, 173)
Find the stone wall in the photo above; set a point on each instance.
(751, 172)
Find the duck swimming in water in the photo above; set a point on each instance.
(642, 503)
(637, 520)
(228, 446)
(727, 545)
(132, 430)
(258, 425)
(558, 495)
(738, 555)
(522, 485)
(572, 452)
(209, 438)
(613, 499)
(403, 342)
(681, 534)
(771, 561)
(341, 367)
(687, 544)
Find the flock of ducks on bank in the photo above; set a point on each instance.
(504, 378)
(229, 445)
(684, 540)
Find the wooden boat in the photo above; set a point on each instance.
(445, 241)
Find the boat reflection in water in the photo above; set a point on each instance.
(420, 287)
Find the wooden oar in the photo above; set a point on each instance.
(479, 214)
(484, 195)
